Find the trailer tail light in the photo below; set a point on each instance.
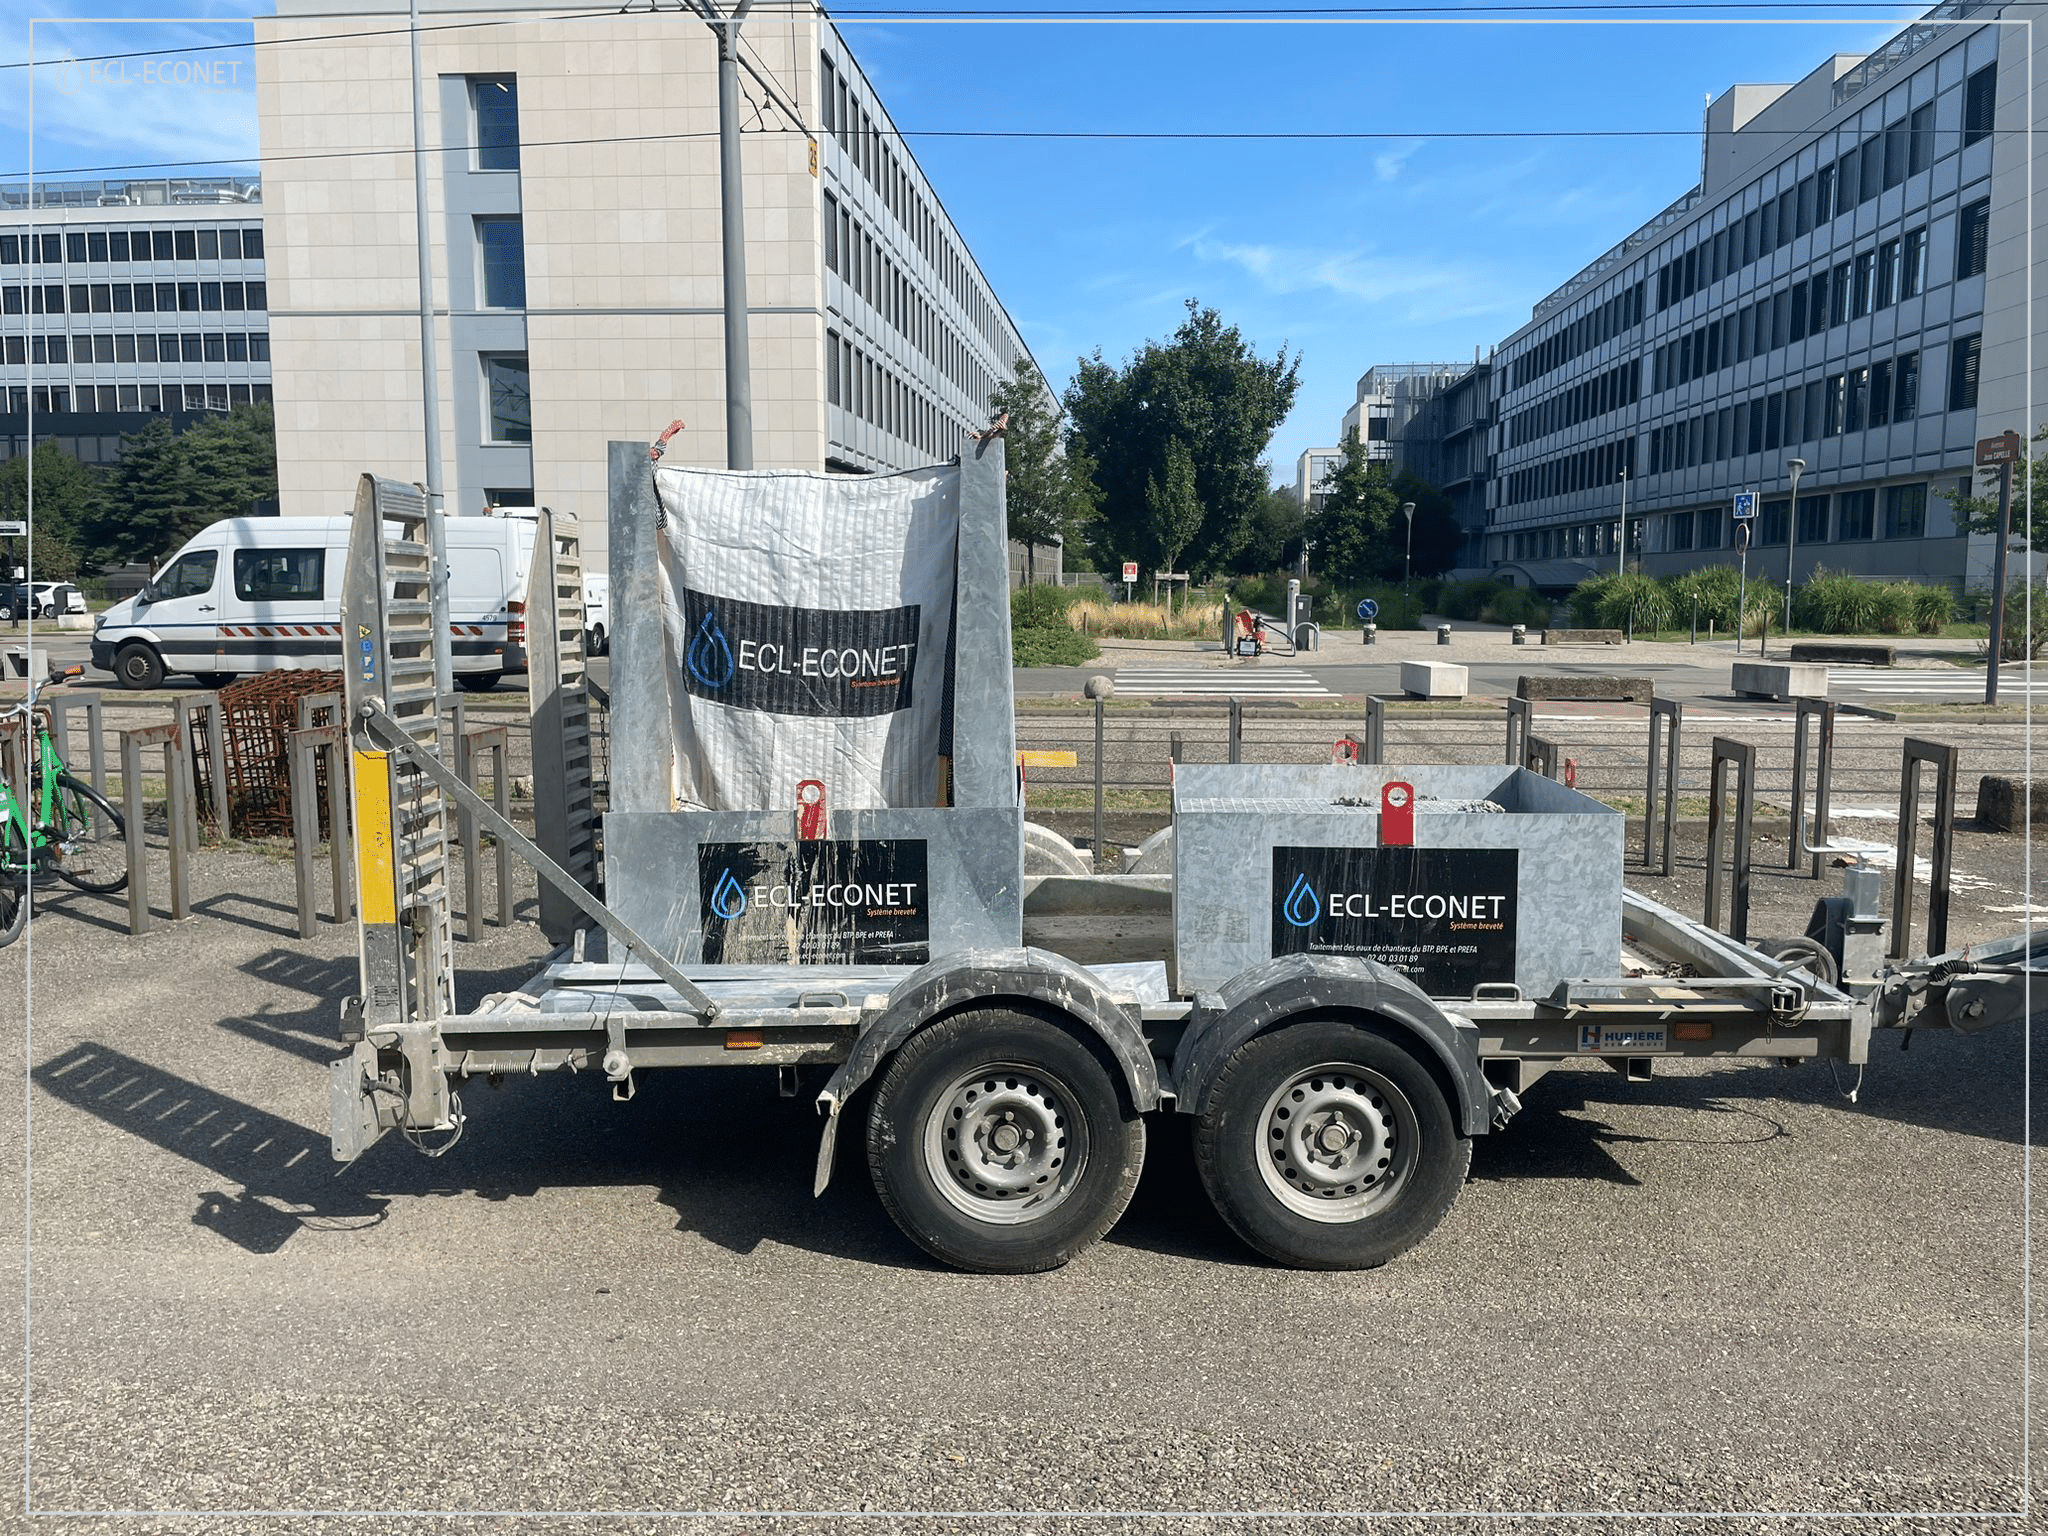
(743, 1040)
(515, 626)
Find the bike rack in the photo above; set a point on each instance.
(472, 743)
(1946, 759)
(1667, 720)
(1819, 714)
(1519, 717)
(307, 746)
(180, 817)
(60, 707)
(1540, 754)
(1741, 757)
(183, 708)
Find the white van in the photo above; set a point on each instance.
(597, 612)
(250, 594)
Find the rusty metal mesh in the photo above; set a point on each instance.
(258, 715)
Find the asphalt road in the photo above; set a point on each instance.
(1726, 1289)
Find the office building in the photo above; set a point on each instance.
(125, 300)
(1847, 287)
(1389, 395)
(573, 189)
(1312, 471)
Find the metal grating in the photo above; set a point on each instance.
(559, 694)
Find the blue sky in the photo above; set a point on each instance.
(1414, 246)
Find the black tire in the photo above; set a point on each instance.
(477, 682)
(14, 874)
(48, 611)
(1392, 1165)
(213, 681)
(597, 641)
(939, 1120)
(6, 612)
(1814, 957)
(138, 666)
(93, 854)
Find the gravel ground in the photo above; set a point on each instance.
(1725, 1290)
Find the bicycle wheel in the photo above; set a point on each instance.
(91, 850)
(13, 883)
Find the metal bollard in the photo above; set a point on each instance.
(1519, 635)
(1372, 634)
(179, 816)
(1236, 730)
(1739, 756)
(1099, 688)
(1373, 749)
(307, 747)
(1443, 634)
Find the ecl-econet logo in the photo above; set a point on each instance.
(728, 897)
(1303, 908)
(709, 657)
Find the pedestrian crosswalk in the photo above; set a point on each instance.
(1219, 683)
(1931, 682)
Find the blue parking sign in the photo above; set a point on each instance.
(1745, 505)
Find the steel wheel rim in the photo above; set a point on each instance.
(1337, 1142)
(1003, 1145)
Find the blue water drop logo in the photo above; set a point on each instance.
(709, 658)
(728, 897)
(1304, 908)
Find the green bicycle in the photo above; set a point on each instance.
(53, 824)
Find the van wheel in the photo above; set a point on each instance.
(597, 642)
(477, 682)
(137, 666)
(1328, 1145)
(1001, 1141)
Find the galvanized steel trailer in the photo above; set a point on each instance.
(1367, 968)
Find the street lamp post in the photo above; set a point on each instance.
(1408, 565)
(1621, 542)
(1795, 468)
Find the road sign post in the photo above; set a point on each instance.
(1130, 579)
(1745, 515)
(2003, 452)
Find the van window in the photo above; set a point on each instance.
(190, 575)
(279, 575)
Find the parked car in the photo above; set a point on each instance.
(41, 600)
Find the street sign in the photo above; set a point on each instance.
(1994, 451)
(1741, 538)
(1130, 570)
(1745, 506)
(1368, 609)
(16, 530)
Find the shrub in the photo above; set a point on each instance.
(2021, 640)
(1517, 605)
(1051, 648)
(1468, 599)
(1041, 606)
(1266, 594)
(1586, 598)
(1835, 603)
(1718, 588)
(1398, 610)
(1934, 607)
(1626, 600)
(1891, 608)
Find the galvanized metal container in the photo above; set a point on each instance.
(1485, 875)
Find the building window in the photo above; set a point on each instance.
(216, 347)
(1980, 104)
(96, 245)
(259, 347)
(1863, 285)
(231, 245)
(1855, 410)
(1905, 511)
(186, 244)
(1896, 154)
(209, 245)
(501, 253)
(1770, 524)
(74, 247)
(1973, 238)
(1858, 516)
(252, 244)
(494, 108)
(1813, 519)
(1963, 356)
(1906, 387)
(1913, 265)
(509, 408)
(1880, 393)
(1679, 527)
(1887, 274)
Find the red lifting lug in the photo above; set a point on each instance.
(810, 810)
(1397, 814)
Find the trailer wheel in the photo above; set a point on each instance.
(1328, 1145)
(1002, 1142)
(477, 682)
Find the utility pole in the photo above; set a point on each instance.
(1621, 544)
(1795, 468)
(2004, 452)
(739, 378)
(430, 381)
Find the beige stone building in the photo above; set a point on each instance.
(573, 202)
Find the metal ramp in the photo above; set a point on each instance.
(407, 944)
(559, 694)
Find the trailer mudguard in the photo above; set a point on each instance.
(979, 977)
(1327, 986)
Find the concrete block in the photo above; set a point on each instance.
(1779, 680)
(1434, 680)
(2011, 804)
(1583, 637)
(1846, 652)
(81, 621)
(1579, 688)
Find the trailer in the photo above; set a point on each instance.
(812, 858)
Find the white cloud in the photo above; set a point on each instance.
(1389, 164)
(1440, 290)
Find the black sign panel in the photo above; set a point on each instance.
(819, 902)
(1442, 917)
(799, 661)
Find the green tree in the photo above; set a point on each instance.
(1273, 538)
(1205, 388)
(68, 497)
(1438, 538)
(1354, 530)
(1050, 494)
(167, 487)
(1173, 512)
(1979, 514)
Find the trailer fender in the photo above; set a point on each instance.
(988, 976)
(1322, 986)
